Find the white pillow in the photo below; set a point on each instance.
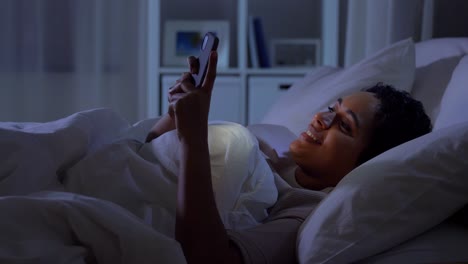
(430, 82)
(393, 65)
(445, 243)
(389, 199)
(296, 91)
(453, 103)
(435, 61)
(273, 137)
(432, 50)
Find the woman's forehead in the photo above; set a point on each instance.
(361, 101)
(363, 104)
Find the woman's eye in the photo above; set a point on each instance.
(330, 109)
(346, 128)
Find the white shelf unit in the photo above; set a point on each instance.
(242, 93)
(263, 92)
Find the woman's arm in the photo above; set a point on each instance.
(164, 124)
(199, 228)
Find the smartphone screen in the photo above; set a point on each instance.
(209, 43)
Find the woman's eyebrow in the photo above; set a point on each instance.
(350, 112)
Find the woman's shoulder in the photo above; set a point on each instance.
(274, 240)
(295, 202)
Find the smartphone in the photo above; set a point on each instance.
(209, 43)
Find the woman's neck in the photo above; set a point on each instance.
(308, 180)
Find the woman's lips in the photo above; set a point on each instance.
(310, 137)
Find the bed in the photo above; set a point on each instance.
(52, 217)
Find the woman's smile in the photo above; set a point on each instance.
(310, 137)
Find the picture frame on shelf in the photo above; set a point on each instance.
(182, 38)
(295, 52)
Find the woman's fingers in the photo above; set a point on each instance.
(172, 98)
(185, 83)
(194, 64)
(170, 111)
(180, 90)
(182, 84)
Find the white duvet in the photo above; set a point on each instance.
(84, 188)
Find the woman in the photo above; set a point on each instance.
(351, 131)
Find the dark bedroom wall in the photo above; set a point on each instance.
(450, 18)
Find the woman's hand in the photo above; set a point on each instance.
(167, 121)
(189, 106)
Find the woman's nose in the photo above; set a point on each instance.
(325, 119)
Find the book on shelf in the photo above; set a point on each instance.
(257, 45)
(252, 44)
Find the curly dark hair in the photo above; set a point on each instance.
(399, 118)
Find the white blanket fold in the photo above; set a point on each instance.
(104, 195)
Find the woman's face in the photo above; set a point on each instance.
(333, 141)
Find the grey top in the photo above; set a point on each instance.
(274, 241)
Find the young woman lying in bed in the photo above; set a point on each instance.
(353, 130)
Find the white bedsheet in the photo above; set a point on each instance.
(60, 227)
(81, 162)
